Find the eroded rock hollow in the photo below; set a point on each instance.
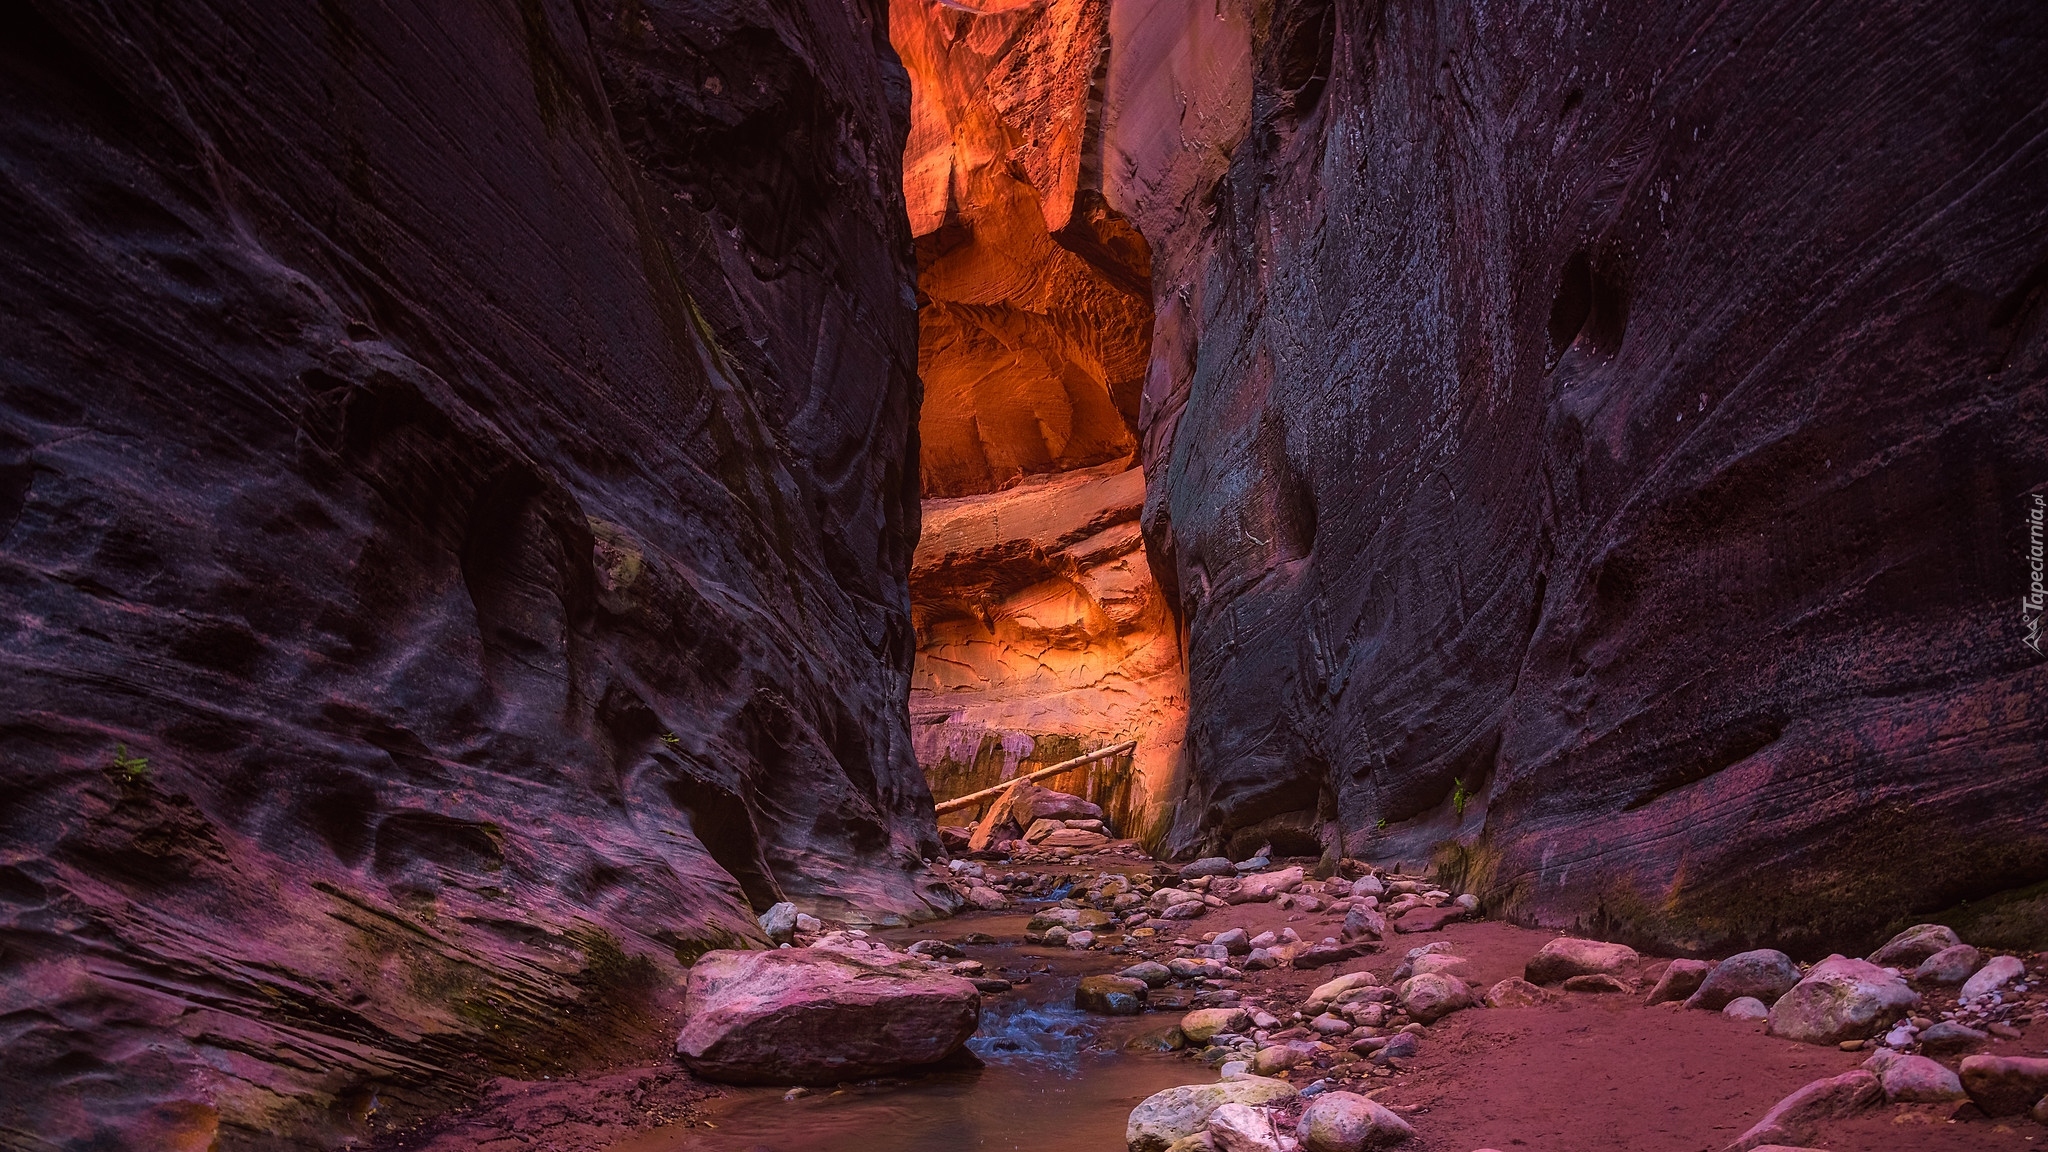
(455, 506)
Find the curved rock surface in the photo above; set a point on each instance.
(1555, 446)
(1041, 631)
(455, 503)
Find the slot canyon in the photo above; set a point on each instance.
(549, 547)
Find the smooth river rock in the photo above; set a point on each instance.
(1111, 995)
(1680, 979)
(1348, 1122)
(1841, 999)
(1174, 1113)
(1795, 1119)
(2005, 1085)
(1907, 949)
(1765, 974)
(1567, 956)
(1994, 975)
(820, 1016)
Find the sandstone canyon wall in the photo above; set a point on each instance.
(1041, 631)
(456, 496)
(1590, 443)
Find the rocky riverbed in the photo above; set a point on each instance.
(1249, 1007)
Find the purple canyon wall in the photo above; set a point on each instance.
(1590, 443)
(457, 486)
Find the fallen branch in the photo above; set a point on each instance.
(973, 798)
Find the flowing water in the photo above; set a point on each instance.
(1056, 1080)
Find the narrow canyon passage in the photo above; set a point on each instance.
(543, 541)
(1041, 631)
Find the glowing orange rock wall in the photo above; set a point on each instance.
(1041, 631)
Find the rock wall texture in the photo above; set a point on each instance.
(1591, 443)
(456, 494)
(1041, 631)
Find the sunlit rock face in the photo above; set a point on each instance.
(456, 500)
(1041, 632)
(1600, 438)
(1042, 635)
(1035, 316)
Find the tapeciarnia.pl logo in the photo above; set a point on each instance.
(2032, 604)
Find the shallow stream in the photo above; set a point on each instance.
(1056, 1080)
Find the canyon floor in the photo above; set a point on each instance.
(1581, 1072)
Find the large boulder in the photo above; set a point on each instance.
(2005, 1085)
(1327, 993)
(1348, 1122)
(1909, 948)
(1765, 974)
(1175, 1113)
(1568, 956)
(820, 1016)
(1841, 999)
(1033, 803)
(1795, 1119)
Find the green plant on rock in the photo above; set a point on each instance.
(133, 769)
(671, 739)
(1459, 797)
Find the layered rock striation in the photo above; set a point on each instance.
(1596, 447)
(456, 493)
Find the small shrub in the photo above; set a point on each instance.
(134, 769)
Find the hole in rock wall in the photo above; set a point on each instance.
(1041, 633)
